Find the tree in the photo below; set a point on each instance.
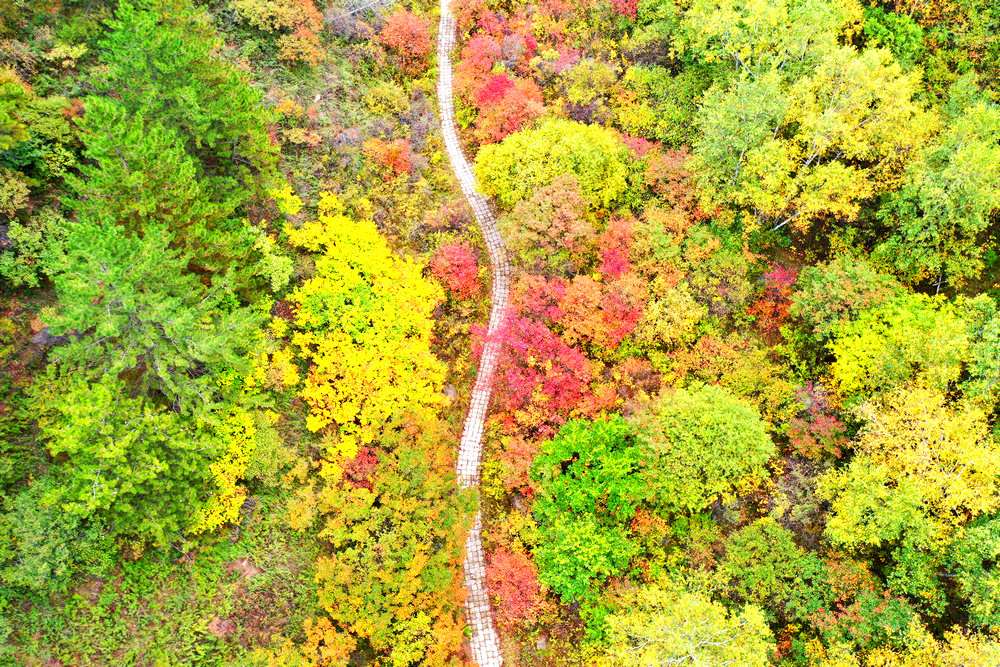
(512, 580)
(870, 510)
(364, 324)
(576, 555)
(814, 149)
(973, 561)
(139, 174)
(957, 649)
(983, 383)
(142, 469)
(831, 293)
(14, 94)
(947, 201)
(699, 445)
(763, 566)
(670, 318)
(517, 106)
(771, 310)
(910, 336)
(654, 103)
(163, 64)
(389, 577)
(946, 449)
(589, 468)
(130, 309)
(755, 36)
(551, 232)
(408, 36)
(36, 142)
(923, 468)
(455, 265)
(897, 32)
(541, 381)
(743, 368)
(658, 626)
(600, 314)
(475, 64)
(531, 159)
(588, 489)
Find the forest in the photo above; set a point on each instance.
(743, 398)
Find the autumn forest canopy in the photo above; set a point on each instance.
(746, 406)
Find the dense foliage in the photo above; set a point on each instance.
(745, 409)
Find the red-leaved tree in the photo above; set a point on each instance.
(409, 37)
(454, 264)
(512, 580)
(475, 64)
(541, 381)
(771, 309)
(395, 155)
(627, 8)
(515, 106)
(601, 314)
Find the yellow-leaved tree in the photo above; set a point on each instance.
(923, 468)
(364, 324)
(391, 516)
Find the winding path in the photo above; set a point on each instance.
(484, 641)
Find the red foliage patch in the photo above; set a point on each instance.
(359, 470)
(454, 264)
(638, 145)
(771, 310)
(601, 314)
(512, 581)
(409, 37)
(537, 297)
(541, 380)
(494, 90)
(627, 8)
(476, 63)
(395, 155)
(616, 246)
(519, 104)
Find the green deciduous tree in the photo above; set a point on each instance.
(588, 491)
(589, 468)
(656, 104)
(756, 36)
(700, 445)
(804, 130)
(813, 149)
(576, 555)
(943, 212)
(763, 566)
(974, 560)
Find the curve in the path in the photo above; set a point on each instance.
(484, 641)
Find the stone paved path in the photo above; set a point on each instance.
(484, 641)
